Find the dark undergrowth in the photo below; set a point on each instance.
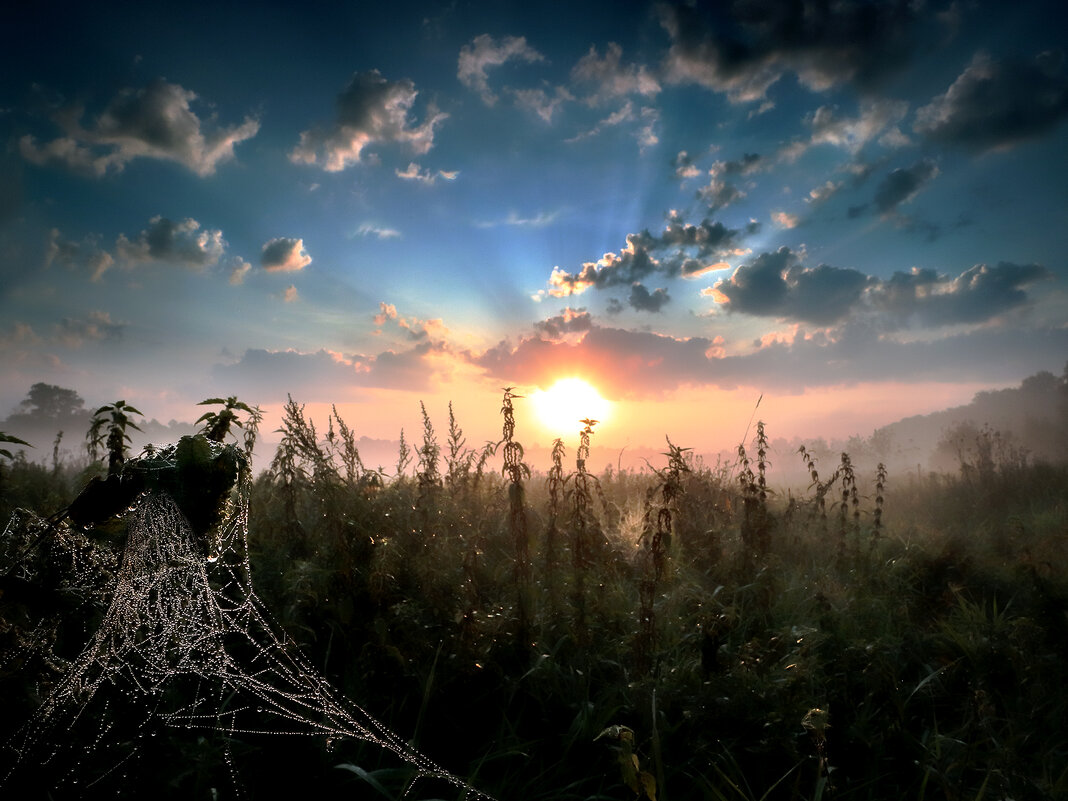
(677, 633)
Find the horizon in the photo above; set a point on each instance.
(851, 215)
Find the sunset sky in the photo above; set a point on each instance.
(857, 210)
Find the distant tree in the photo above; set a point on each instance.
(47, 401)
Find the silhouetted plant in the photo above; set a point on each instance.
(655, 542)
(404, 455)
(756, 534)
(516, 470)
(459, 459)
(877, 513)
(428, 474)
(344, 447)
(584, 527)
(108, 429)
(217, 423)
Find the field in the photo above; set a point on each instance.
(541, 632)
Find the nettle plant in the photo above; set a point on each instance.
(108, 430)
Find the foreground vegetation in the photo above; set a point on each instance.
(684, 632)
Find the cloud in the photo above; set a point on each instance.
(618, 117)
(684, 166)
(370, 110)
(413, 328)
(539, 220)
(741, 53)
(540, 102)
(378, 232)
(823, 193)
(977, 295)
(719, 193)
(784, 219)
(903, 184)
(284, 254)
(290, 295)
(184, 243)
(777, 285)
(611, 78)
(483, 53)
(71, 254)
(682, 250)
(267, 376)
(853, 133)
(568, 322)
(239, 269)
(646, 134)
(74, 332)
(155, 122)
(648, 364)
(641, 299)
(997, 104)
(416, 173)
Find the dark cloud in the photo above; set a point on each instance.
(284, 254)
(683, 249)
(164, 240)
(975, 296)
(570, 321)
(777, 285)
(155, 122)
(901, 185)
(647, 364)
(720, 193)
(75, 332)
(744, 49)
(641, 299)
(995, 104)
(268, 375)
(371, 110)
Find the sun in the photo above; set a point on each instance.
(565, 403)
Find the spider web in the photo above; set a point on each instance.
(185, 641)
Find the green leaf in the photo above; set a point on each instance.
(367, 777)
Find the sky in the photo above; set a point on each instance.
(853, 210)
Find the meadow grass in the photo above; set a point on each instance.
(868, 637)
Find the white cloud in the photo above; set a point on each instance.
(238, 271)
(485, 52)
(413, 172)
(611, 77)
(784, 219)
(539, 101)
(370, 229)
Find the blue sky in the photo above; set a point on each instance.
(856, 209)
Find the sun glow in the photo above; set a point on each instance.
(561, 407)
